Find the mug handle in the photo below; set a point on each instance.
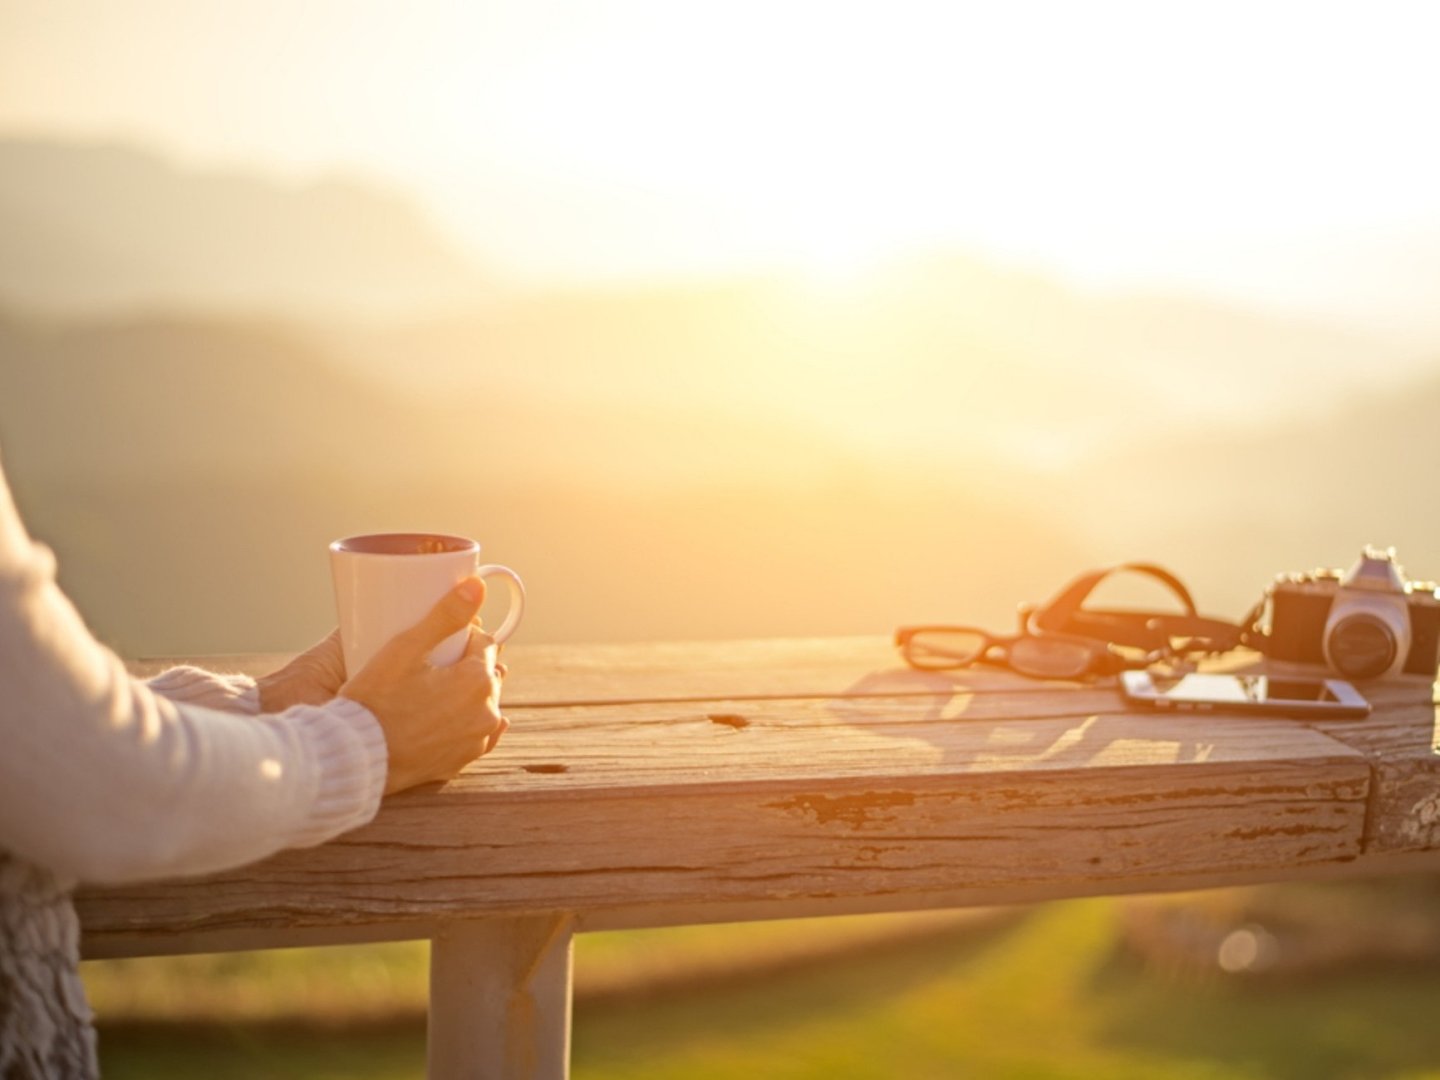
(517, 598)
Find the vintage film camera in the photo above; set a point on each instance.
(1368, 623)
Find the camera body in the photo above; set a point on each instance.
(1368, 623)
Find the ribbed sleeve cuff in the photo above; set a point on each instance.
(188, 685)
(249, 699)
(348, 748)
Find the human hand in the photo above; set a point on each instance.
(316, 675)
(312, 678)
(435, 719)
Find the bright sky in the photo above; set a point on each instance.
(1230, 144)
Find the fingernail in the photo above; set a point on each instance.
(471, 590)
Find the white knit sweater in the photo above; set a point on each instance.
(107, 779)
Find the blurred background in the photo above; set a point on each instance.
(712, 320)
(716, 320)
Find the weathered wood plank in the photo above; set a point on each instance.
(761, 668)
(694, 671)
(1399, 741)
(161, 942)
(611, 808)
(735, 670)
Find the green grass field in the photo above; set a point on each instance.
(1047, 995)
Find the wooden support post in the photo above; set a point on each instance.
(500, 999)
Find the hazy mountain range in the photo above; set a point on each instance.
(188, 417)
(190, 474)
(90, 227)
(191, 499)
(945, 355)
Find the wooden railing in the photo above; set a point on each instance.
(666, 784)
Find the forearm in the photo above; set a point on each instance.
(101, 779)
(146, 788)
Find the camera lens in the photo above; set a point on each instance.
(1361, 646)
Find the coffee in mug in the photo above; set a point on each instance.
(387, 582)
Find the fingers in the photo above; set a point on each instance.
(330, 653)
(480, 644)
(493, 739)
(454, 612)
(481, 677)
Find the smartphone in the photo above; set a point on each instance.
(1270, 695)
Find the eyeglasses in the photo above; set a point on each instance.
(1040, 656)
(1066, 640)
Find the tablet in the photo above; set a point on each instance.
(1269, 695)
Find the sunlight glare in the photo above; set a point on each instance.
(1111, 142)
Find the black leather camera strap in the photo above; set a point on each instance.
(1188, 632)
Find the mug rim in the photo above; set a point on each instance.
(463, 545)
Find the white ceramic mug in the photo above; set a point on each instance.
(386, 582)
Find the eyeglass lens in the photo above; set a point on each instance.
(1039, 657)
(1050, 658)
(938, 649)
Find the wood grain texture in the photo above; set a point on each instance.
(761, 668)
(1399, 742)
(613, 810)
(691, 671)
